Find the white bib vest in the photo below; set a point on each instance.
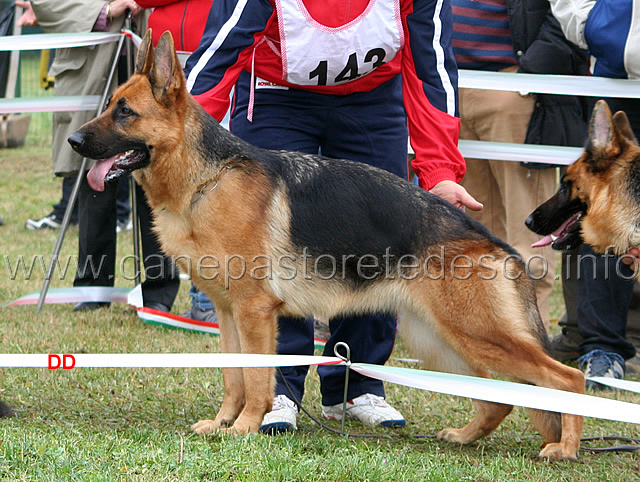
(314, 54)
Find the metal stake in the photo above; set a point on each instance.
(347, 360)
(128, 22)
(76, 187)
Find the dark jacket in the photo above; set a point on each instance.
(541, 48)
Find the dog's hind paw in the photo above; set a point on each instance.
(204, 427)
(453, 435)
(557, 451)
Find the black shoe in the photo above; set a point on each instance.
(6, 410)
(90, 305)
(1, 222)
(156, 305)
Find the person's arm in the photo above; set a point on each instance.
(232, 31)
(572, 15)
(63, 16)
(430, 85)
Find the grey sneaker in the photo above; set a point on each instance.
(282, 417)
(369, 409)
(601, 364)
(201, 315)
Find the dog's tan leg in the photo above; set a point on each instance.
(256, 325)
(561, 377)
(233, 380)
(530, 363)
(488, 417)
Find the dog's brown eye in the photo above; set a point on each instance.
(126, 111)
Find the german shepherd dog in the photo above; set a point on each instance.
(598, 201)
(465, 305)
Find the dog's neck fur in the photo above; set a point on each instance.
(167, 172)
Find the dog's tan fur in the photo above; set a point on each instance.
(472, 326)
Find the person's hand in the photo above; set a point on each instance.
(631, 258)
(28, 18)
(456, 195)
(119, 7)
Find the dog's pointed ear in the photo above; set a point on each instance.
(603, 142)
(144, 59)
(166, 75)
(623, 128)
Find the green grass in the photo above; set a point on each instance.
(124, 424)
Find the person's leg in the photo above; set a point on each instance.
(605, 286)
(162, 282)
(511, 192)
(368, 127)
(60, 208)
(96, 238)
(123, 204)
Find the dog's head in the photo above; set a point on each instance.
(599, 195)
(141, 119)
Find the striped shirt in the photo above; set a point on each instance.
(481, 36)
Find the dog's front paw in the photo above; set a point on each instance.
(558, 451)
(204, 427)
(452, 435)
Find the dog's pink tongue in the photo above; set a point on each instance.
(97, 173)
(546, 241)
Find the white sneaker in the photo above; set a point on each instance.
(282, 417)
(369, 409)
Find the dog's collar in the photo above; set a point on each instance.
(211, 184)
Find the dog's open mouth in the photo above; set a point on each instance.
(566, 236)
(114, 167)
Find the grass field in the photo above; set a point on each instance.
(132, 424)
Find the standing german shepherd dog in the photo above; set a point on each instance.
(302, 235)
(598, 201)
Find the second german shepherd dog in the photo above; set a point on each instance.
(291, 234)
(598, 201)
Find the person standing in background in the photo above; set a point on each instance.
(516, 36)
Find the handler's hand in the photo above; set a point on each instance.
(28, 18)
(631, 258)
(118, 7)
(456, 195)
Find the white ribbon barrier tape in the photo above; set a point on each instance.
(56, 40)
(76, 295)
(463, 386)
(70, 103)
(161, 360)
(136, 39)
(627, 385)
(124, 295)
(505, 392)
(549, 84)
(504, 151)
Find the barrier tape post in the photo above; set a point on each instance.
(347, 360)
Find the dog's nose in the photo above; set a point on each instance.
(529, 221)
(76, 140)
